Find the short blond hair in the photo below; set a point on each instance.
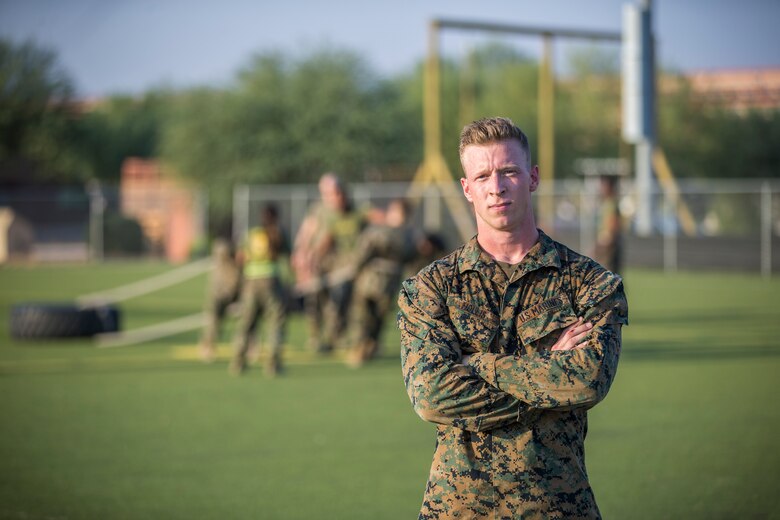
(491, 130)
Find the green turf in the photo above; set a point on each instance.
(149, 431)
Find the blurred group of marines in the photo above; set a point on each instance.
(347, 264)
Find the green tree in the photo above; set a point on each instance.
(120, 127)
(289, 120)
(36, 115)
(702, 139)
(588, 109)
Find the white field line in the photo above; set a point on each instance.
(147, 285)
(160, 330)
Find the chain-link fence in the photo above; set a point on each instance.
(709, 224)
(96, 222)
(725, 224)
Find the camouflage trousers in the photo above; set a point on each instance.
(261, 297)
(366, 318)
(215, 310)
(335, 314)
(313, 307)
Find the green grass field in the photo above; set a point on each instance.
(148, 431)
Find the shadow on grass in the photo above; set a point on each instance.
(739, 317)
(658, 351)
(319, 366)
(97, 366)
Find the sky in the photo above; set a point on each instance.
(131, 46)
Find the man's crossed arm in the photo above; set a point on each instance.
(488, 390)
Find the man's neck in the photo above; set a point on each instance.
(508, 247)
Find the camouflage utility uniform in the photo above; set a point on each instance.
(511, 428)
(224, 289)
(382, 252)
(263, 294)
(342, 230)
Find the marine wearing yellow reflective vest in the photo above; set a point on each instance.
(263, 293)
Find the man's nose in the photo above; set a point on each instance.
(497, 184)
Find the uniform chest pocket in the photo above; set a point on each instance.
(540, 326)
(475, 325)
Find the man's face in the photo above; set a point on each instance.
(499, 184)
(330, 193)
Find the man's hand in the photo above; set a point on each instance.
(574, 336)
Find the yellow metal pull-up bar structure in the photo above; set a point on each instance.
(434, 169)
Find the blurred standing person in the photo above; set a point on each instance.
(308, 258)
(263, 293)
(608, 249)
(430, 246)
(382, 252)
(223, 289)
(342, 227)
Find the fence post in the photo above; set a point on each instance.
(670, 233)
(97, 206)
(766, 230)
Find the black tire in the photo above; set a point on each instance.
(36, 320)
(101, 319)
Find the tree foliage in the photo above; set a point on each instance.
(588, 110)
(288, 119)
(120, 127)
(704, 140)
(37, 127)
(284, 121)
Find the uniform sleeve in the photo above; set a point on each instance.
(365, 249)
(443, 390)
(578, 378)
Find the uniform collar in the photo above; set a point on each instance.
(542, 254)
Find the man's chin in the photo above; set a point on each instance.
(499, 225)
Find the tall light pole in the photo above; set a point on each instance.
(639, 104)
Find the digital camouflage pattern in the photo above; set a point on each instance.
(223, 289)
(512, 424)
(342, 230)
(382, 252)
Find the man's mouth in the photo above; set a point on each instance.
(500, 205)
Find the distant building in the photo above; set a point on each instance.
(739, 90)
(166, 207)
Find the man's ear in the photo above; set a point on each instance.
(534, 184)
(464, 183)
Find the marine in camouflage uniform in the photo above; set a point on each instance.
(263, 293)
(325, 241)
(608, 248)
(342, 228)
(382, 252)
(489, 354)
(306, 265)
(224, 289)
